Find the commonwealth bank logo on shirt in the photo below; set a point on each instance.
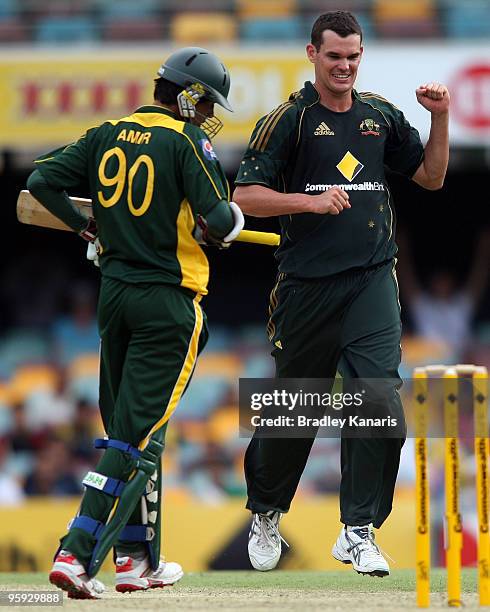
(349, 166)
(207, 149)
(323, 130)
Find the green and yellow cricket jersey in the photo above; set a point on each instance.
(149, 175)
(303, 147)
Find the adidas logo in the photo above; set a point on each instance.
(324, 130)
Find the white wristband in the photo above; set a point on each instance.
(239, 222)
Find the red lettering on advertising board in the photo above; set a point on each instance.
(470, 96)
(74, 99)
(65, 98)
(133, 94)
(99, 97)
(30, 98)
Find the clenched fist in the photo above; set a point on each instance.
(331, 202)
(434, 97)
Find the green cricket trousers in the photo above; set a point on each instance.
(151, 336)
(348, 322)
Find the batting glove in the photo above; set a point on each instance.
(93, 250)
(203, 236)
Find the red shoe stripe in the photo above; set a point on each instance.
(128, 588)
(127, 567)
(70, 559)
(64, 582)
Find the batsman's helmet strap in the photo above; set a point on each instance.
(196, 65)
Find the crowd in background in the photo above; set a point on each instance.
(49, 382)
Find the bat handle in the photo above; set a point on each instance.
(267, 238)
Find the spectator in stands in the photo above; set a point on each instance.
(23, 439)
(76, 333)
(52, 408)
(51, 474)
(11, 493)
(445, 311)
(85, 427)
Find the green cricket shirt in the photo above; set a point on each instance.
(149, 174)
(303, 147)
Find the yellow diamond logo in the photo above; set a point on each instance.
(349, 166)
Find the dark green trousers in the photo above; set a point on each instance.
(349, 322)
(151, 336)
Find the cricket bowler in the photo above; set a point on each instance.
(317, 162)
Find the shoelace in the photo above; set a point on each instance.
(371, 537)
(267, 531)
(160, 568)
(97, 585)
(367, 545)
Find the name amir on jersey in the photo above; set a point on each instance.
(134, 136)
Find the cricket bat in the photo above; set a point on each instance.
(32, 212)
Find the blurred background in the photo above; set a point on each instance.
(68, 65)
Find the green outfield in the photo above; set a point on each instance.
(279, 590)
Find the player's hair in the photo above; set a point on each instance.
(342, 23)
(165, 91)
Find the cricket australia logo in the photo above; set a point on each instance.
(323, 130)
(349, 166)
(369, 127)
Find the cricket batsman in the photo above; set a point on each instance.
(159, 193)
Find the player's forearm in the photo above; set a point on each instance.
(57, 202)
(260, 201)
(436, 154)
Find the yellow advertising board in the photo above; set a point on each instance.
(49, 99)
(197, 534)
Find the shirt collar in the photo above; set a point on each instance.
(311, 95)
(153, 108)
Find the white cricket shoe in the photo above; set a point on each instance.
(137, 575)
(70, 575)
(264, 541)
(356, 545)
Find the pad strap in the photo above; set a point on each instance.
(124, 447)
(106, 484)
(137, 533)
(88, 524)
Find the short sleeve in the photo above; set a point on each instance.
(404, 150)
(66, 168)
(269, 149)
(204, 180)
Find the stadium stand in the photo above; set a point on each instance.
(85, 21)
(466, 20)
(262, 31)
(406, 18)
(69, 29)
(201, 27)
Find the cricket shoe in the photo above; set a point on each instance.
(69, 575)
(265, 541)
(137, 575)
(356, 545)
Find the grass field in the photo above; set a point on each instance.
(271, 591)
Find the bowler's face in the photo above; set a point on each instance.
(336, 62)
